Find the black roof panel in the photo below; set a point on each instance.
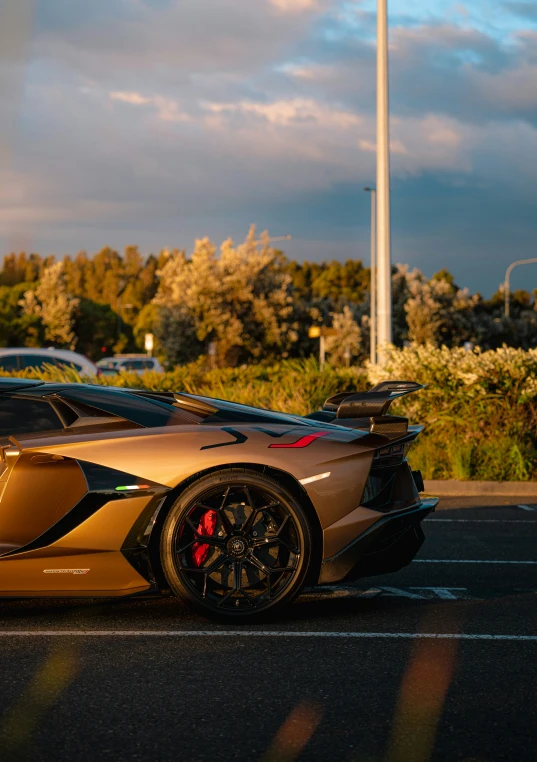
(12, 384)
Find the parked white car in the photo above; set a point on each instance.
(19, 358)
(139, 364)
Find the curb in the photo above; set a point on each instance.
(454, 488)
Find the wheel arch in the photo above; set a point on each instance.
(287, 480)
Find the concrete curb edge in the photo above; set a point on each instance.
(455, 488)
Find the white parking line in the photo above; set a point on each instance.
(528, 507)
(255, 634)
(482, 521)
(467, 561)
(331, 592)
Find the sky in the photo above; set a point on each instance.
(155, 122)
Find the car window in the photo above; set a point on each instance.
(18, 416)
(67, 364)
(133, 365)
(148, 364)
(33, 361)
(9, 363)
(39, 362)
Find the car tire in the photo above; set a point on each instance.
(236, 545)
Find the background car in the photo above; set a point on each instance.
(138, 363)
(20, 358)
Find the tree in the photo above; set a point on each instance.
(348, 338)
(19, 268)
(52, 304)
(95, 326)
(423, 310)
(340, 283)
(241, 301)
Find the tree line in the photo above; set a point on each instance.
(249, 301)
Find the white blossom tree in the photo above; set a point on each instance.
(348, 337)
(53, 305)
(240, 300)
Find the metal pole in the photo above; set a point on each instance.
(373, 284)
(373, 277)
(384, 277)
(506, 281)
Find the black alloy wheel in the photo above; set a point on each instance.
(235, 545)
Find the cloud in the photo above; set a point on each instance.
(297, 111)
(154, 116)
(172, 40)
(135, 99)
(295, 6)
(524, 9)
(168, 109)
(442, 132)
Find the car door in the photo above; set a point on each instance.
(35, 490)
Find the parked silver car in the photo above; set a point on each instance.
(18, 358)
(110, 366)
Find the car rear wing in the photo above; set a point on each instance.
(361, 410)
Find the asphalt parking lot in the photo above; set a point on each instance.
(437, 662)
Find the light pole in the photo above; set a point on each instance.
(373, 286)
(384, 275)
(320, 332)
(506, 281)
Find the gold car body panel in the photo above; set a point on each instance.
(86, 561)
(37, 493)
(170, 455)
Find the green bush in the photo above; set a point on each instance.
(479, 409)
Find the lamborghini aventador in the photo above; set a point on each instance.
(117, 492)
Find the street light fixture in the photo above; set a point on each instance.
(373, 286)
(507, 275)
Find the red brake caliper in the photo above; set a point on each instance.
(207, 526)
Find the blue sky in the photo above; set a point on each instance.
(158, 121)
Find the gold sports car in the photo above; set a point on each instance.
(116, 492)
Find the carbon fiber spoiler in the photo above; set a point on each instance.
(372, 403)
(368, 410)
